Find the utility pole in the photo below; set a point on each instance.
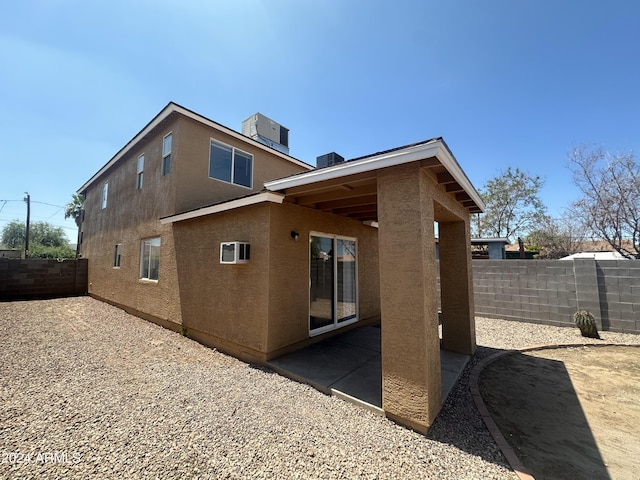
(26, 236)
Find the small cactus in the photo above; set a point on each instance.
(586, 323)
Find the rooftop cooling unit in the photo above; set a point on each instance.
(328, 159)
(267, 132)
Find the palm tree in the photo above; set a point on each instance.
(74, 210)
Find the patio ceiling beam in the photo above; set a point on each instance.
(348, 202)
(445, 177)
(336, 195)
(360, 209)
(350, 181)
(453, 188)
(430, 162)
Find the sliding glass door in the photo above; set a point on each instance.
(333, 282)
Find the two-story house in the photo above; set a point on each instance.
(226, 237)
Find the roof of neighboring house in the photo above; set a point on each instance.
(480, 241)
(596, 256)
(174, 108)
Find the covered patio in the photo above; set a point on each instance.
(404, 192)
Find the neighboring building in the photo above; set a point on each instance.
(199, 228)
(597, 255)
(489, 248)
(10, 253)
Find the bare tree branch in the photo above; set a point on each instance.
(610, 202)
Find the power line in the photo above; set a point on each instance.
(43, 203)
(32, 201)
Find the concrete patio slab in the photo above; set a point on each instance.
(350, 366)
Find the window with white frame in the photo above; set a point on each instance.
(105, 193)
(230, 165)
(117, 255)
(140, 171)
(166, 153)
(150, 258)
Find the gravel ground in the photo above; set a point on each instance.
(88, 391)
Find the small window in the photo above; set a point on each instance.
(166, 154)
(105, 193)
(140, 172)
(117, 255)
(230, 164)
(150, 259)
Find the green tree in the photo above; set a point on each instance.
(45, 234)
(45, 240)
(513, 205)
(13, 234)
(42, 251)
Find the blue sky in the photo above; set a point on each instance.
(506, 82)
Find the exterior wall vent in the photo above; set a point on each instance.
(267, 132)
(235, 252)
(328, 159)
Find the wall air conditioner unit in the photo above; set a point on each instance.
(232, 253)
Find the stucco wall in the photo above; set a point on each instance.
(195, 188)
(132, 215)
(256, 309)
(227, 302)
(289, 269)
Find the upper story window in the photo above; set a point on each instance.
(166, 153)
(139, 173)
(231, 165)
(105, 193)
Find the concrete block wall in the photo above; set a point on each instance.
(23, 279)
(619, 294)
(551, 291)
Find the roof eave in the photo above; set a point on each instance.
(164, 114)
(435, 148)
(261, 197)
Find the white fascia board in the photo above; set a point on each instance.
(450, 163)
(168, 110)
(411, 154)
(226, 206)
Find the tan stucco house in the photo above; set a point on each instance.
(209, 231)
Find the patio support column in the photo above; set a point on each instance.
(456, 288)
(411, 383)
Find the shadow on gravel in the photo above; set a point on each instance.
(459, 424)
(536, 407)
